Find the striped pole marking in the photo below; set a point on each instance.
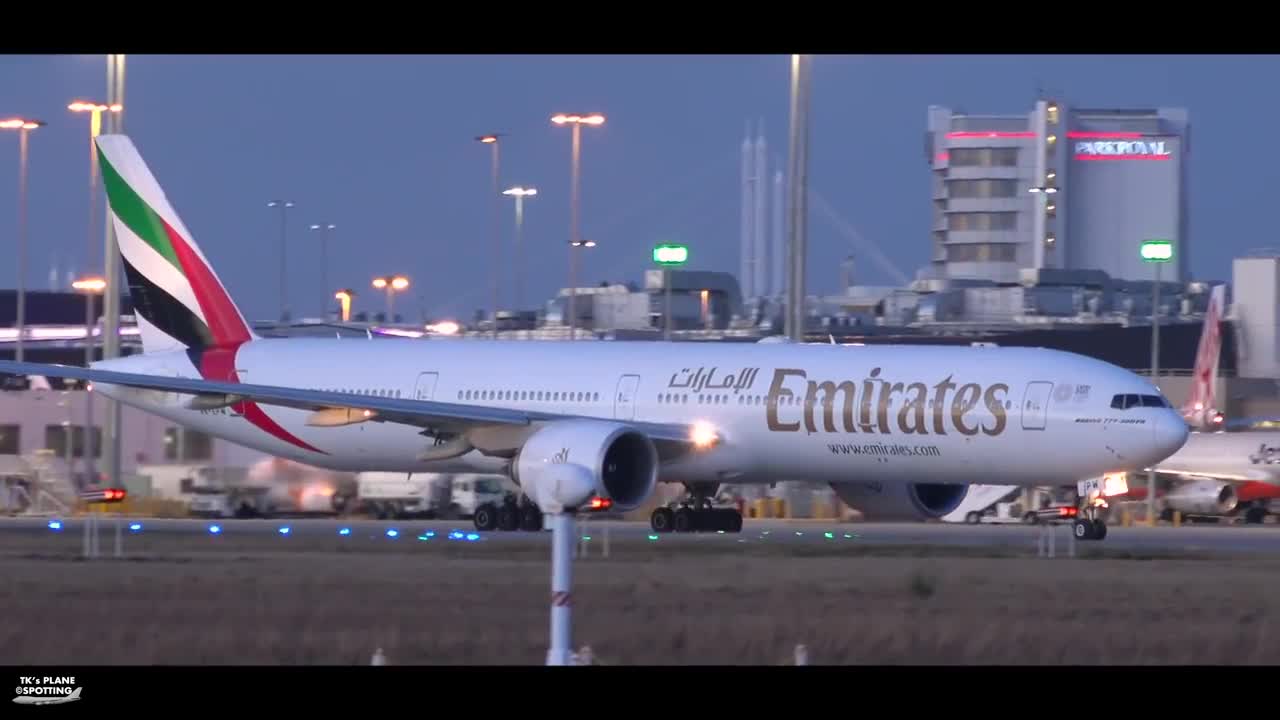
(561, 599)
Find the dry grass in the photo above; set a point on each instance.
(453, 603)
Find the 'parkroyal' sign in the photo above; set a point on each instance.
(1123, 150)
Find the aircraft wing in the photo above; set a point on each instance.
(428, 414)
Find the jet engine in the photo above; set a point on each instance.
(901, 501)
(1202, 497)
(568, 462)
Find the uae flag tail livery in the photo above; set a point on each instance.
(178, 299)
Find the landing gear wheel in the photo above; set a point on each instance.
(1099, 530)
(508, 518)
(486, 517)
(724, 520)
(1082, 529)
(973, 518)
(684, 520)
(662, 520)
(530, 518)
(1255, 516)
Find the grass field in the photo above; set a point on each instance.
(250, 601)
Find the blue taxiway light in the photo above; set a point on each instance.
(55, 524)
(215, 529)
(393, 533)
(284, 530)
(653, 537)
(828, 535)
(135, 527)
(455, 535)
(473, 536)
(344, 531)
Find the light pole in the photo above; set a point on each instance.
(492, 141)
(668, 256)
(90, 286)
(519, 193)
(111, 273)
(392, 284)
(284, 206)
(797, 185)
(324, 265)
(344, 297)
(95, 129)
(23, 126)
(1157, 252)
(576, 122)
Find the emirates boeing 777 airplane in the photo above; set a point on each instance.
(898, 432)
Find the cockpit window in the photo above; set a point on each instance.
(1124, 402)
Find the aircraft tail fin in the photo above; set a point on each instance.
(1200, 409)
(75, 694)
(177, 297)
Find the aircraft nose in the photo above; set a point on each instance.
(1171, 432)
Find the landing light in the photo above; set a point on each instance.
(703, 434)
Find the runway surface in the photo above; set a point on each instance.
(1189, 538)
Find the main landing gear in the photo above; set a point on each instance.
(511, 515)
(1089, 525)
(695, 514)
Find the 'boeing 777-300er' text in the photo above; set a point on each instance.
(898, 432)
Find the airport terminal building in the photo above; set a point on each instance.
(1057, 188)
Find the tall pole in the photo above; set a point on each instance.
(1155, 380)
(95, 128)
(495, 200)
(573, 234)
(111, 290)
(284, 206)
(518, 274)
(324, 229)
(798, 161)
(22, 239)
(666, 313)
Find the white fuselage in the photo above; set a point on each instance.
(1240, 456)
(1020, 416)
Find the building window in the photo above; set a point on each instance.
(10, 440)
(982, 221)
(982, 188)
(982, 252)
(984, 157)
(195, 445)
(55, 439)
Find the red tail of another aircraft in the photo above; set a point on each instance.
(1200, 410)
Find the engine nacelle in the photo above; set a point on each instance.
(901, 501)
(569, 461)
(1202, 497)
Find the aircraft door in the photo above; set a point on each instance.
(426, 386)
(624, 401)
(1035, 405)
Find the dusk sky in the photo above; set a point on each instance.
(383, 147)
